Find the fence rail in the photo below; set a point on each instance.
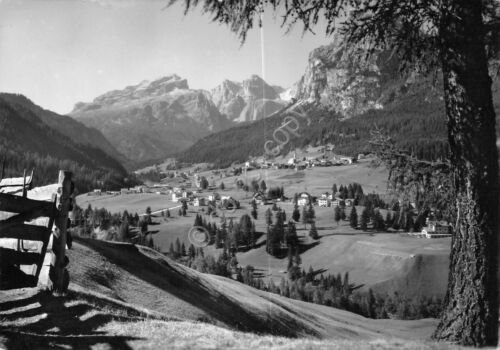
(19, 226)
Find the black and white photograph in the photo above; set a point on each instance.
(249, 174)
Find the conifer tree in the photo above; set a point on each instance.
(311, 215)
(171, 250)
(254, 210)
(337, 214)
(342, 213)
(388, 219)
(269, 217)
(296, 213)
(363, 222)
(305, 216)
(353, 218)
(313, 232)
(263, 186)
(178, 248)
(290, 258)
(191, 251)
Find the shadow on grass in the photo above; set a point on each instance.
(244, 249)
(186, 287)
(57, 325)
(281, 252)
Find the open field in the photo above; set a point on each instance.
(133, 203)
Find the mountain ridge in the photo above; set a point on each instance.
(152, 119)
(26, 141)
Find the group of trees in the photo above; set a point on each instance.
(355, 192)
(257, 186)
(122, 227)
(229, 235)
(276, 192)
(369, 215)
(225, 265)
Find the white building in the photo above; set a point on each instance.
(434, 229)
(198, 202)
(214, 196)
(303, 200)
(176, 196)
(323, 202)
(346, 160)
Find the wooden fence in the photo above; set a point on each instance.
(22, 224)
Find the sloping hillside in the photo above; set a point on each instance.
(89, 320)
(27, 142)
(67, 126)
(417, 125)
(143, 277)
(116, 286)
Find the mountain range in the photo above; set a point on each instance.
(344, 97)
(154, 119)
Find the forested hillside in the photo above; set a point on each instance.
(421, 129)
(415, 119)
(26, 142)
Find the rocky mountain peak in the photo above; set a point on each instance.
(153, 118)
(336, 78)
(256, 88)
(249, 100)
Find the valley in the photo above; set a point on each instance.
(166, 183)
(381, 261)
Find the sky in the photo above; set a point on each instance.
(60, 52)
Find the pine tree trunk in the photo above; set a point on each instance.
(470, 315)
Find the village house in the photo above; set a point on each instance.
(323, 202)
(213, 197)
(346, 160)
(303, 200)
(198, 202)
(435, 229)
(176, 196)
(259, 198)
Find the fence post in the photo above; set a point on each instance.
(59, 275)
